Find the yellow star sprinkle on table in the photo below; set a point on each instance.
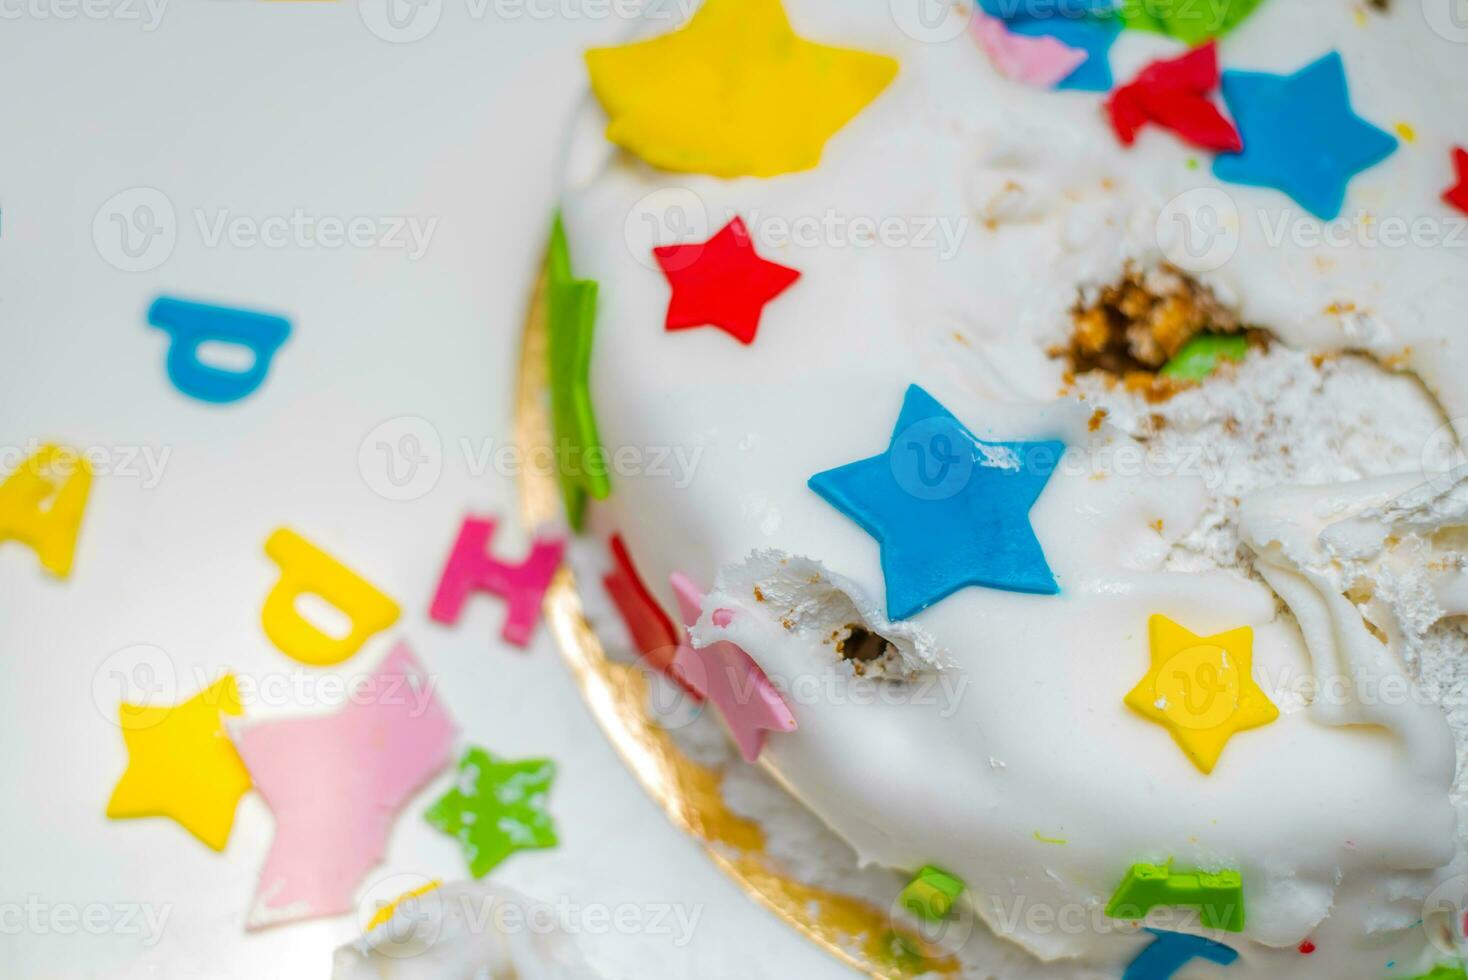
(1201, 688)
(733, 93)
(181, 764)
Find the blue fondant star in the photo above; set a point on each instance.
(1300, 135)
(1172, 951)
(948, 509)
(1076, 23)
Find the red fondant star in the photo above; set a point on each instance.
(1174, 94)
(1457, 195)
(721, 282)
(651, 629)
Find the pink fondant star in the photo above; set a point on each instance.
(729, 677)
(1043, 61)
(336, 782)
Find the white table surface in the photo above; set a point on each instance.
(248, 111)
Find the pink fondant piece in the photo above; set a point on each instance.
(335, 782)
(470, 567)
(729, 677)
(1042, 61)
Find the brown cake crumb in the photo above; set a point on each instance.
(1097, 417)
(861, 644)
(1132, 328)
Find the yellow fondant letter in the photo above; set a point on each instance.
(41, 505)
(306, 569)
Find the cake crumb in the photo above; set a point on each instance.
(1132, 328)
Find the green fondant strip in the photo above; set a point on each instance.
(581, 462)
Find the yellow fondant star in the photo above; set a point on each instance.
(181, 764)
(734, 93)
(1201, 688)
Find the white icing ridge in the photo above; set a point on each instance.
(1287, 494)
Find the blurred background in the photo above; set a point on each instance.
(381, 173)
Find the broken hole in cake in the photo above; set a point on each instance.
(1157, 331)
(801, 597)
(861, 644)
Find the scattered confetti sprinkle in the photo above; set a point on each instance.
(571, 319)
(931, 893)
(306, 569)
(1040, 61)
(949, 510)
(1175, 95)
(734, 93)
(192, 325)
(721, 283)
(1457, 195)
(728, 676)
(1172, 951)
(471, 568)
(1181, 18)
(181, 764)
(652, 631)
(1300, 135)
(498, 807)
(335, 783)
(1083, 25)
(1201, 688)
(1218, 896)
(42, 503)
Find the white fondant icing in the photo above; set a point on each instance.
(1010, 202)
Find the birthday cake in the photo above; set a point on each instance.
(1046, 416)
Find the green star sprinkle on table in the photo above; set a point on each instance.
(496, 808)
(571, 316)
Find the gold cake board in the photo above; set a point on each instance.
(852, 930)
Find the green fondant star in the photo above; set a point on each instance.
(497, 808)
(571, 305)
(1190, 21)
